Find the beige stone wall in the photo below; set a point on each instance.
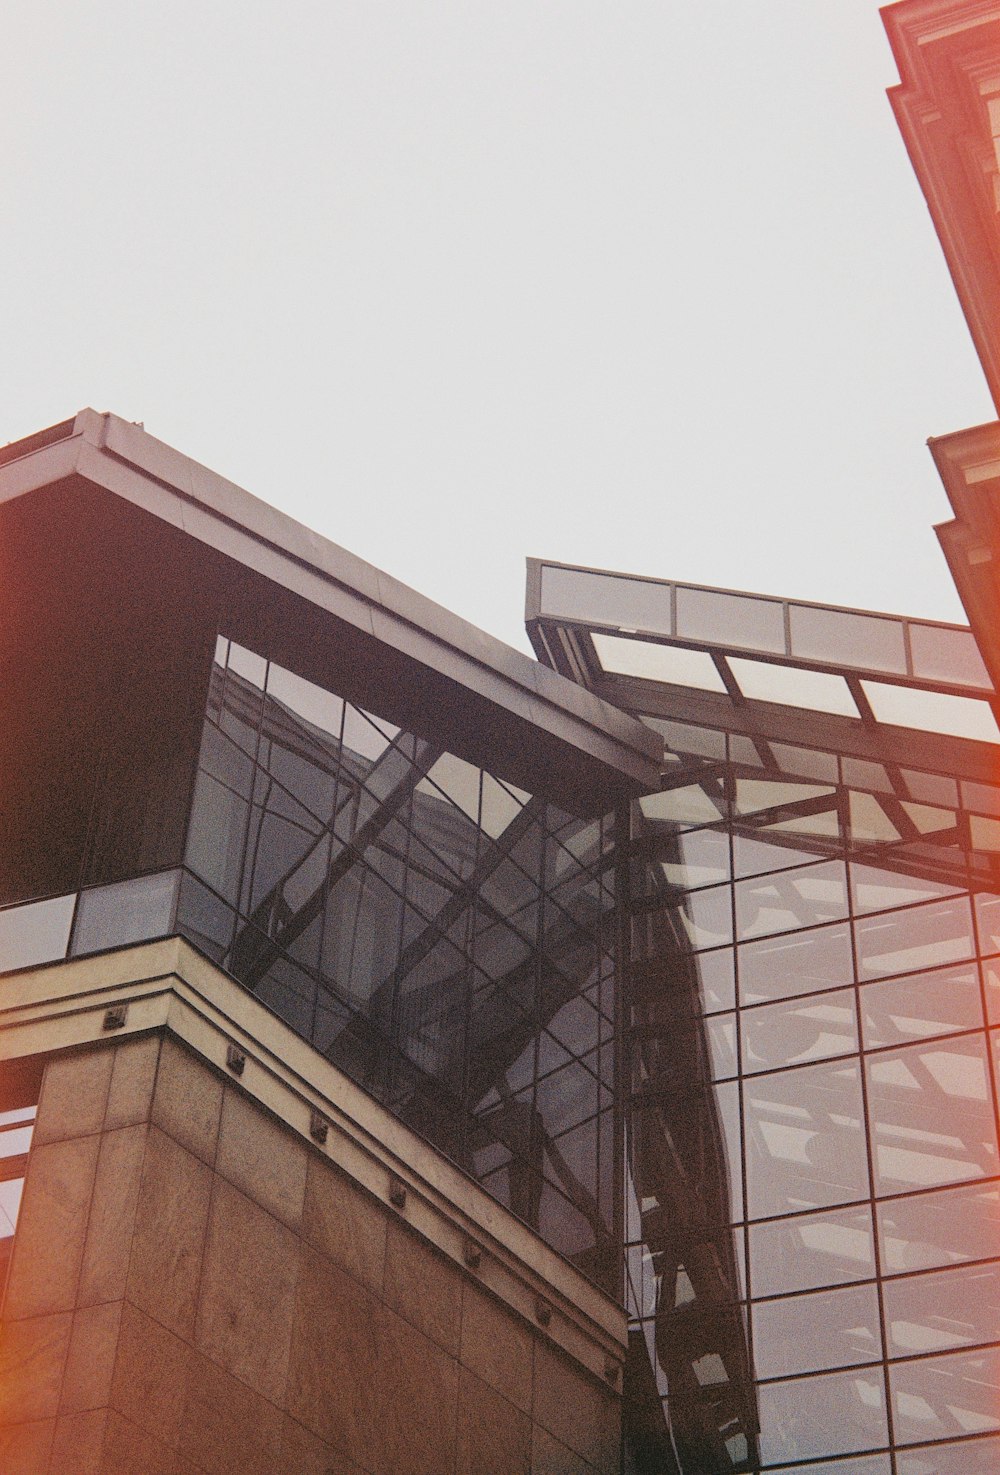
(195, 1288)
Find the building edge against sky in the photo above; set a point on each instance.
(345, 946)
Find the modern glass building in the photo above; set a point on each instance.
(683, 943)
(813, 1251)
(474, 1005)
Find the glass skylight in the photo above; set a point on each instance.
(765, 681)
(669, 663)
(932, 711)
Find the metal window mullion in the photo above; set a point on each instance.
(867, 1126)
(471, 915)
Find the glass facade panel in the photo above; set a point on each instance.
(720, 1032)
(944, 1310)
(37, 932)
(811, 1250)
(752, 857)
(791, 899)
(131, 911)
(708, 917)
(796, 963)
(716, 976)
(793, 686)
(932, 1117)
(902, 942)
(988, 922)
(899, 1010)
(970, 1456)
(443, 937)
(940, 654)
(638, 604)
(847, 639)
(797, 1031)
(932, 1229)
(688, 805)
(834, 1413)
(932, 711)
(876, 890)
(731, 619)
(805, 1139)
(651, 661)
(941, 1397)
(827, 1329)
(697, 858)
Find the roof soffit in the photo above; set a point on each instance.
(595, 738)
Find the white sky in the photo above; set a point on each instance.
(643, 284)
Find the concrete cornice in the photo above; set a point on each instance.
(167, 986)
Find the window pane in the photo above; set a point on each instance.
(653, 662)
(988, 921)
(920, 937)
(833, 1414)
(685, 806)
(728, 1103)
(812, 1250)
(939, 1397)
(932, 711)
(131, 911)
(247, 664)
(932, 1115)
(702, 858)
(217, 834)
(708, 917)
(311, 704)
(943, 1311)
(750, 857)
(793, 686)
(578, 594)
(845, 639)
(805, 1143)
(876, 890)
(35, 933)
(801, 963)
(755, 795)
(796, 1031)
(715, 979)
(947, 655)
(799, 1334)
(940, 1228)
(806, 762)
(905, 1009)
(970, 1457)
(731, 619)
(791, 899)
(720, 1033)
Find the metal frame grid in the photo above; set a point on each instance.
(446, 939)
(857, 1113)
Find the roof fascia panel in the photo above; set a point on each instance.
(619, 752)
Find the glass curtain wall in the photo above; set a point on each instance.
(817, 946)
(443, 937)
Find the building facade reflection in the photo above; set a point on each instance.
(815, 946)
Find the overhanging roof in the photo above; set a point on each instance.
(409, 653)
(869, 683)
